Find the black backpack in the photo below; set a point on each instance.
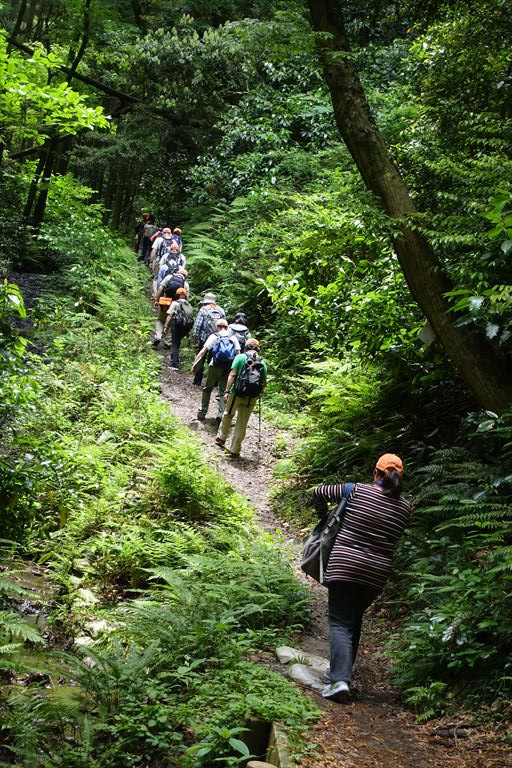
(176, 281)
(251, 379)
(242, 337)
(184, 315)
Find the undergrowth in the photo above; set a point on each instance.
(453, 582)
(162, 576)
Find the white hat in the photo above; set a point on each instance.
(209, 298)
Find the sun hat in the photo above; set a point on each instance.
(221, 323)
(181, 292)
(252, 342)
(389, 461)
(208, 298)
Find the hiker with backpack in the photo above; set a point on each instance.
(246, 381)
(170, 261)
(360, 562)
(204, 326)
(222, 348)
(176, 236)
(162, 247)
(139, 232)
(165, 295)
(147, 233)
(180, 316)
(239, 329)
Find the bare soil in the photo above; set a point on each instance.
(375, 730)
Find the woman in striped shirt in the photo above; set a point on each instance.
(360, 561)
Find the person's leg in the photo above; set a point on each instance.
(146, 249)
(212, 378)
(227, 418)
(347, 603)
(223, 378)
(245, 408)
(177, 336)
(366, 597)
(159, 325)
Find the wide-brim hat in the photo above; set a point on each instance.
(209, 298)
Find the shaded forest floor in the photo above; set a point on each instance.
(374, 730)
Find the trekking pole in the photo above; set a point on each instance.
(259, 424)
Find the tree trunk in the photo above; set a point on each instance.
(40, 206)
(17, 24)
(109, 195)
(35, 181)
(63, 152)
(483, 370)
(117, 207)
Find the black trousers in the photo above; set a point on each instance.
(177, 336)
(347, 603)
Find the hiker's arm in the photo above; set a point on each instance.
(229, 382)
(198, 326)
(328, 493)
(170, 313)
(199, 356)
(163, 286)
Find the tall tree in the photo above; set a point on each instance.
(484, 370)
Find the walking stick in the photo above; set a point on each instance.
(259, 424)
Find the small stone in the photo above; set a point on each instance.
(259, 764)
(306, 676)
(85, 597)
(285, 654)
(96, 627)
(83, 640)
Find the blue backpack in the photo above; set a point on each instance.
(223, 352)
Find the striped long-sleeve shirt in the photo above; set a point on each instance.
(364, 547)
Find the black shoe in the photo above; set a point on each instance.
(218, 421)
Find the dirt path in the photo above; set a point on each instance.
(375, 731)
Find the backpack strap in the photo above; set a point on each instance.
(347, 490)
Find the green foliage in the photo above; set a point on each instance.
(33, 108)
(16, 387)
(115, 498)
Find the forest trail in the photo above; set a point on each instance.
(374, 731)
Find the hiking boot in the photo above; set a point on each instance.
(218, 421)
(201, 416)
(338, 691)
(233, 455)
(220, 442)
(156, 342)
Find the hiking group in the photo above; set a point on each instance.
(351, 549)
(228, 351)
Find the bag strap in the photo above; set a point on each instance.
(336, 519)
